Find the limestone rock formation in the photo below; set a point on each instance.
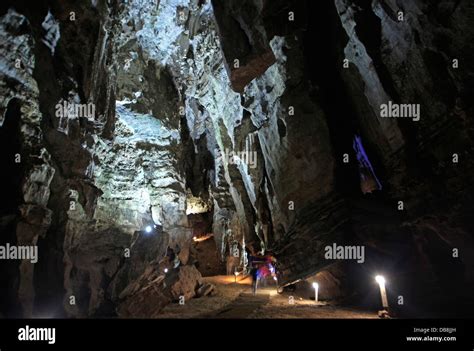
(154, 289)
(256, 123)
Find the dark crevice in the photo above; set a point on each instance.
(323, 66)
(196, 166)
(10, 144)
(369, 31)
(10, 186)
(281, 128)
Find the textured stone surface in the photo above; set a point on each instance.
(46, 66)
(153, 290)
(244, 40)
(171, 105)
(19, 103)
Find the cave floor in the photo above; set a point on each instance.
(234, 300)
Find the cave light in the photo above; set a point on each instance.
(202, 238)
(316, 290)
(383, 293)
(166, 270)
(148, 229)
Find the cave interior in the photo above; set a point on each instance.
(152, 149)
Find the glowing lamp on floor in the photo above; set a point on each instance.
(383, 293)
(316, 291)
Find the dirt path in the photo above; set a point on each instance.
(234, 300)
(242, 307)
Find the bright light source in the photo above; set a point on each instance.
(166, 270)
(316, 291)
(380, 279)
(203, 238)
(148, 229)
(274, 278)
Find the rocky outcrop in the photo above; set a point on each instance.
(27, 162)
(47, 69)
(257, 122)
(244, 40)
(416, 157)
(154, 289)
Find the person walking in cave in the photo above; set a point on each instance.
(255, 262)
(254, 274)
(272, 266)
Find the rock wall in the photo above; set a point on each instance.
(56, 54)
(262, 117)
